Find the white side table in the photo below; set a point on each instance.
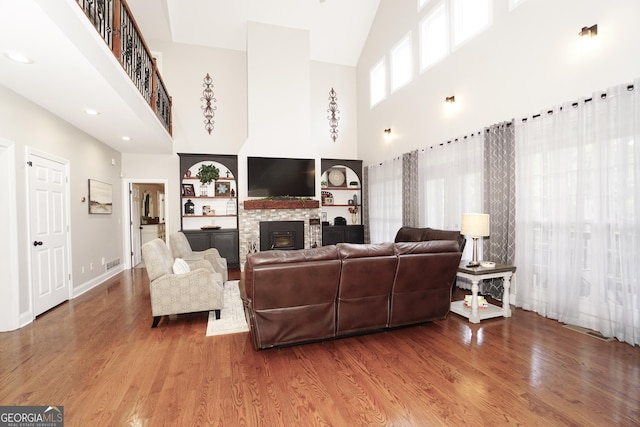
(476, 274)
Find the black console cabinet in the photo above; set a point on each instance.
(332, 234)
(224, 240)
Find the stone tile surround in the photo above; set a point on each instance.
(249, 226)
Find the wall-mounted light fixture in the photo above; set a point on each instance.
(589, 31)
(450, 99)
(387, 131)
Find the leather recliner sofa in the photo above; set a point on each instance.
(306, 295)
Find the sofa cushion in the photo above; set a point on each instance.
(410, 234)
(356, 250)
(279, 257)
(433, 246)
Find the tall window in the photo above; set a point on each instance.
(451, 183)
(450, 23)
(401, 63)
(577, 213)
(385, 200)
(421, 3)
(514, 3)
(434, 37)
(377, 83)
(469, 18)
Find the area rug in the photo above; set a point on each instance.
(232, 318)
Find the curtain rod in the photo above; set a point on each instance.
(603, 95)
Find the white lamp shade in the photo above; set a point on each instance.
(475, 224)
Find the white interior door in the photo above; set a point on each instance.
(136, 252)
(49, 232)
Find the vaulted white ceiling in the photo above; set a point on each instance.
(73, 69)
(337, 28)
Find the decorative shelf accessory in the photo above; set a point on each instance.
(354, 214)
(222, 189)
(333, 116)
(188, 190)
(208, 110)
(208, 173)
(189, 207)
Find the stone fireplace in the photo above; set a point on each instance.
(249, 219)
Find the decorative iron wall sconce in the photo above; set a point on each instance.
(387, 131)
(589, 31)
(333, 116)
(450, 99)
(208, 110)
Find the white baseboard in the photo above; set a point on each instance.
(96, 281)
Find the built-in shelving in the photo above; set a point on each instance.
(219, 228)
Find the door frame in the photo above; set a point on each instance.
(10, 290)
(29, 151)
(126, 211)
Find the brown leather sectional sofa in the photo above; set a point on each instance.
(306, 295)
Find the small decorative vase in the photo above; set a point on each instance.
(354, 218)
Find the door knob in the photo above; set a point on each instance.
(36, 243)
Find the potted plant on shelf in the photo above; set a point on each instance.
(207, 173)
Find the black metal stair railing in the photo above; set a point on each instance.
(115, 23)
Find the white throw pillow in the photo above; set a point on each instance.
(180, 266)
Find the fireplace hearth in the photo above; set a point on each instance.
(281, 235)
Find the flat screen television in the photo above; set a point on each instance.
(280, 177)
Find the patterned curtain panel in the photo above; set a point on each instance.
(499, 199)
(410, 200)
(365, 205)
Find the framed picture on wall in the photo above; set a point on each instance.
(188, 190)
(100, 197)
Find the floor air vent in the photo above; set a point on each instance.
(589, 332)
(113, 263)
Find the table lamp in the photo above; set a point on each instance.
(475, 225)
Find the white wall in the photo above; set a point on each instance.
(278, 84)
(93, 237)
(343, 80)
(184, 68)
(530, 58)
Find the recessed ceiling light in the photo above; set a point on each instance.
(91, 112)
(126, 138)
(18, 57)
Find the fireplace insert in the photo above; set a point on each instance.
(281, 235)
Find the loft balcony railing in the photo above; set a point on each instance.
(115, 23)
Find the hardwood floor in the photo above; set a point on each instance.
(98, 356)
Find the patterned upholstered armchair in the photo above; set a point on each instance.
(180, 248)
(199, 289)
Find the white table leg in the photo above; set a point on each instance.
(475, 317)
(506, 307)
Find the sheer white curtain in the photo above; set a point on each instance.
(385, 200)
(451, 183)
(578, 213)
